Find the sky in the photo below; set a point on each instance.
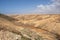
(29, 6)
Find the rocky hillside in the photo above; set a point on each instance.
(29, 27)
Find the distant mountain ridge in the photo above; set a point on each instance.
(7, 17)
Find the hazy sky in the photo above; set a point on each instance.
(29, 6)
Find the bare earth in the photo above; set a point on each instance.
(30, 27)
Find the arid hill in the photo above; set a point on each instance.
(29, 27)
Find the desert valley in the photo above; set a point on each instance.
(30, 27)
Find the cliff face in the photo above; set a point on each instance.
(29, 27)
